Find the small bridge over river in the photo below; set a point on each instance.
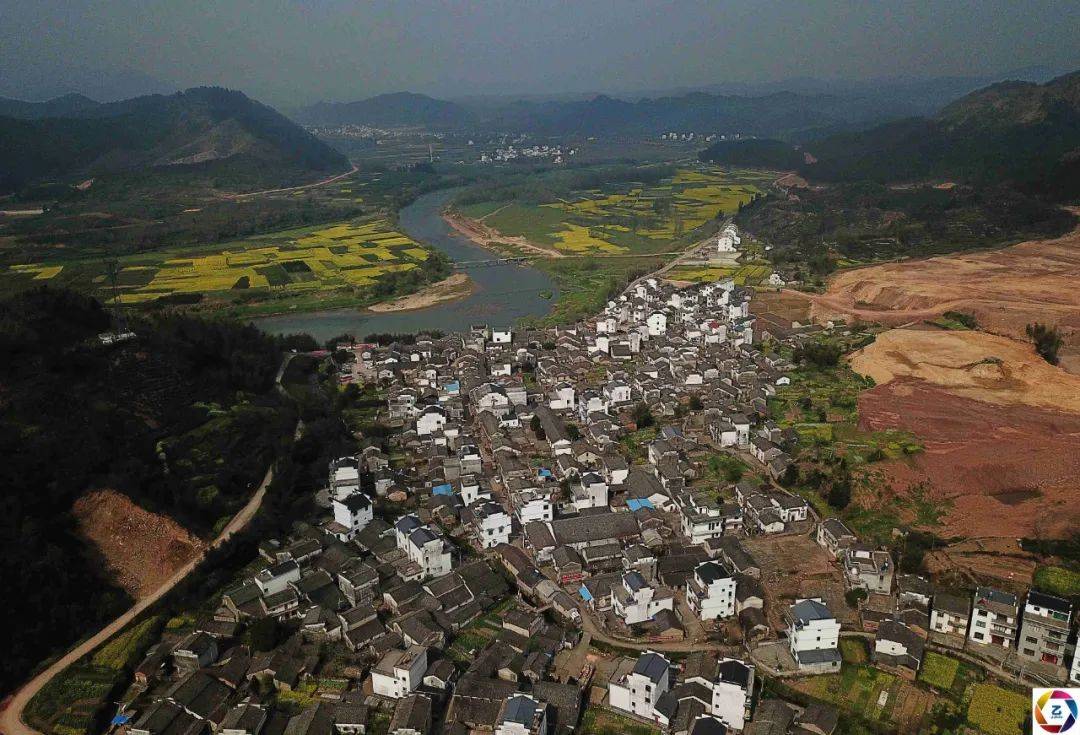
(465, 264)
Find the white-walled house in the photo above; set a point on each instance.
(277, 578)
(501, 336)
(657, 324)
(949, 615)
(472, 491)
(994, 617)
(590, 492)
(814, 636)
(353, 511)
(424, 547)
(430, 420)
(399, 672)
(493, 524)
(732, 691)
(710, 592)
(635, 601)
(639, 689)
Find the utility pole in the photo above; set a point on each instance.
(112, 273)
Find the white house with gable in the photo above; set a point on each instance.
(638, 691)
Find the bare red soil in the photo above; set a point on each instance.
(1004, 470)
(142, 549)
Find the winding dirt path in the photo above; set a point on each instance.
(301, 187)
(11, 718)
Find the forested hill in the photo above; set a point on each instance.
(209, 134)
(183, 419)
(1020, 132)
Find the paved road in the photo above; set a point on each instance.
(11, 722)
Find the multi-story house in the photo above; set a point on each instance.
(814, 636)
(1044, 628)
(590, 492)
(949, 616)
(869, 569)
(732, 689)
(710, 592)
(399, 672)
(638, 691)
(994, 618)
(635, 601)
(492, 524)
(835, 537)
(352, 511)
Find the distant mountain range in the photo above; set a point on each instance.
(386, 110)
(786, 114)
(208, 132)
(1021, 132)
(794, 109)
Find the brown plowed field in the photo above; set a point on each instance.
(142, 549)
(1001, 429)
(1005, 289)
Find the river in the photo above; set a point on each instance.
(504, 293)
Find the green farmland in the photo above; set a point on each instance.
(338, 264)
(624, 217)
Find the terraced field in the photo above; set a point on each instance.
(623, 218)
(343, 258)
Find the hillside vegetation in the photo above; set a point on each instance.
(183, 419)
(209, 135)
(1020, 132)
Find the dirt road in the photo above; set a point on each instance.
(11, 722)
(301, 187)
(589, 626)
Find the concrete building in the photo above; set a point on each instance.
(639, 690)
(1044, 628)
(994, 618)
(710, 592)
(814, 636)
(399, 672)
(869, 569)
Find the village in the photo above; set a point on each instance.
(544, 540)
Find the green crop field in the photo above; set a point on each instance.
(623, 218)
(1057, 581)
(305, 262)
(997, 711)
(872, 694)
(750, 274)
(939, 671)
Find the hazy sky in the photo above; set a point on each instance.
(296, 51)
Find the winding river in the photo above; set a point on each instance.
(504, 293)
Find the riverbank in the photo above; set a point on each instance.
(457, 286)
(490, 239)
(497, 295)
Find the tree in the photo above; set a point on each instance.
(537, 427)
(263, 635)
(642, 416)
(695, 403)
(1047, 340)
(573, 432)
(840, 492)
